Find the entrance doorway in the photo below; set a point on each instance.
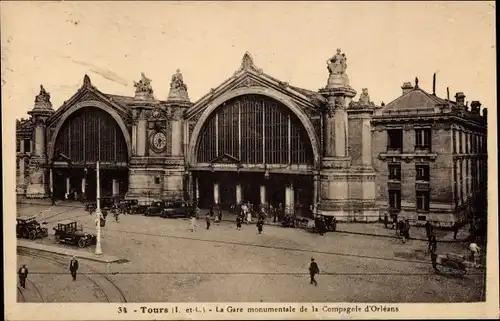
(108, 177)
(251, 182)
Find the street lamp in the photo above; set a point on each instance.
(98, 248)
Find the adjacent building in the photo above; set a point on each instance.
(430, 157)
(259, 139)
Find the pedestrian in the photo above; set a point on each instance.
(23, 275)
(313, 270)
(455, 230)
(116, 214)
(432, 245)
(238, 223)
(474, 252)
(407, 229)
(260, 225)
(394, 222)
(275, 214)
(434, 262)
(73, 267)
(193, 223)
(53, 200)
(249, 217)
(207, 219)
(428, 230)
(281, 212)
(386, 220)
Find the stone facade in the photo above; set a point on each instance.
(347, 138)
(419, 178)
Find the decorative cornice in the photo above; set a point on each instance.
(407, 157)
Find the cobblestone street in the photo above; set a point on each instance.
(169, 263)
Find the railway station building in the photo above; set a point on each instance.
(259, 139)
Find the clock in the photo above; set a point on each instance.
(159, 141)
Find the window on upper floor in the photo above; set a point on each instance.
(394, 199)
(423, 138)
(423, 200)
(157, 179)
(27, 146)
(422, 172)
(454, 138)
(394, 171)
(460, 147)
(395, 139)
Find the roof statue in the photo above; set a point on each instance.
(143, 85)
(43, 96)
(178, 89)
(247, 61)
(337, 64)
(86, 80)
(364, 98)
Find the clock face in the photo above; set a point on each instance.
(159, 141)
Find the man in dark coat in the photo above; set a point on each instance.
(23, 275)
(313, 270)
(260, 224)
(73, 267)
(428, 230)
(207, 219)
(238, 223)
(455, 230)
(386, 220)
(432, 246)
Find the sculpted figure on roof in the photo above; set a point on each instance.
(143, 85)
(178, 81)
(43, 96)
(338, 63)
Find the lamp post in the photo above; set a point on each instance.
(98, 248)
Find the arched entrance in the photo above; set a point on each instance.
(253, 148)
(89, 135)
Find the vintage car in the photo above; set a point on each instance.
(177, 208)
(69, 233)
(28, 227)
(128, 206)
(156, 208)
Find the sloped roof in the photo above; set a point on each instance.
(416, 98)
(125, 101)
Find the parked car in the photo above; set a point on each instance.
(69, 233)
(29, 228)
(177, 208)
(155, 209)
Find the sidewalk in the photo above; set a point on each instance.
(373, 229)
(82, 254)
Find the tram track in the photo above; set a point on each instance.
(55, 259)
(23, 298)
(36, 289)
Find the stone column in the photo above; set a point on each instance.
(289, 199)
(141, 135)
(176, 137)
(21, 171)
(263, 194)
(315, 192)
(115, 187)
(216, 192)
(238, 193)
(51, 181)
(68, 186)
(197, 191)
(84, 182)
(39, 140)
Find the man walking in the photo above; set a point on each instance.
(428, 230)
(192, 226)
(313, 270)
(260, 224)
(455, 230)
(23, 275)
(386, 220)
(238, 223)
(53, 200)
(207, 219)
(73, 267)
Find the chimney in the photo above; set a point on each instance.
(485, 114)
(434, 84)
(460, 99)
(448, 93)
(475, 107)
(406, 87)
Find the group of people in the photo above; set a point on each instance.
(23, 271)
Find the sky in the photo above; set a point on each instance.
(386, 43)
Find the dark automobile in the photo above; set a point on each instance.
(69, 233)
(177, 209)
(107, 203)
(156, 208)
(29, 228)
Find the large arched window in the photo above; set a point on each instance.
(255, 129)
(89, 135)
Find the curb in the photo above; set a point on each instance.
(95, 259)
